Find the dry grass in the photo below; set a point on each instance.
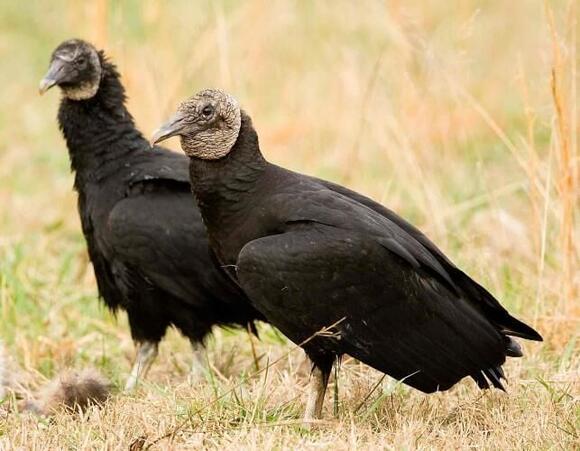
(462, 116)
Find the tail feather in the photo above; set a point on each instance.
(516, 328)
(499, 369)
(493, 375)
(512, 348)
(496, 313)
(480, 380)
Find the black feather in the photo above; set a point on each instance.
(494, 377)
(513, 348)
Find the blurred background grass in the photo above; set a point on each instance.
(462, 116)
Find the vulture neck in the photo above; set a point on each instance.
(224, 188)
(99, 131)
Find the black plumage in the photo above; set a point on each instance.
(145, 237)
(310, 253)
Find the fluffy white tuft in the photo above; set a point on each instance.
(70, 391)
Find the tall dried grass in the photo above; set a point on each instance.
(461, 116)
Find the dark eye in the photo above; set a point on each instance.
(207, 111)
(80, 61)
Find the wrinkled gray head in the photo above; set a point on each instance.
(207, 123)
(75, 68)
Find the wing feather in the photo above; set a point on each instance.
(401, 321)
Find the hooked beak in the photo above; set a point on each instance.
(56, 72)
(45, 85)
(173, 127)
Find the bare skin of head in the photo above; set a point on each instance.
(208, 124)
(76, 68)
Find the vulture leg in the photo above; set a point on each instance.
(146, 353)
(198, 366)
(316, 392)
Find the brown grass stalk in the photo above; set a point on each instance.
(564, 67)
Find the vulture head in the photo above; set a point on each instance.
(75, 67)
(207, 123)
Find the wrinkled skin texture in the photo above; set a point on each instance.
(208, 124)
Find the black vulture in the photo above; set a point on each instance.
(312, 254)
(145, 237)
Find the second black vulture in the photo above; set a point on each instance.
(311, 254)
(145, 237)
